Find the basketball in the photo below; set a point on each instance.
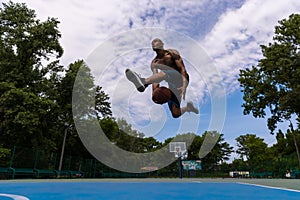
(161, 95)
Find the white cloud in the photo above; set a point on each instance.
(131, 50)
(86, 24)
(234, 42)
(229, 35)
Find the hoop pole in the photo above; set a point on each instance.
(12, 157)
(62, 151)
(179, 165)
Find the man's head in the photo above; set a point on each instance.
(157, 44)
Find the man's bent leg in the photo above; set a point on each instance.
(177, 111)
(156, 78)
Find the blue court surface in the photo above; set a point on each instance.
(139, 190)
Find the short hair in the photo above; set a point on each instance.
(157, 44)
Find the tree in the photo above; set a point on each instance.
(219, 153)
(65, 88)
(193, 151)
(35, 97)
(239, 165)
(274, 83)
(102, 104)
(281, 147)
(124, 136)
(29, 51)
(252, 149)
(293, 137)
(25, 43)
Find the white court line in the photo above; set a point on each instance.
(270, 187)
(257, 185)
(14, 197)
(210, 182)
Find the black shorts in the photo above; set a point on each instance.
(174, 80)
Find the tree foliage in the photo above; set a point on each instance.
(256, 155)
(27, 76)
(220, 153)
(274, 83)
(251, 147)
(65, 99)
(35, 90)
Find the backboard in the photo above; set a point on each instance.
(179, 148)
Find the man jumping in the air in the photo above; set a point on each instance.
(168, 66)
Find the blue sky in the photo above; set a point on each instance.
(225, 36)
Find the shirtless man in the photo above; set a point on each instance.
(168, 66)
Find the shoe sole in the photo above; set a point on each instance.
(132, 77)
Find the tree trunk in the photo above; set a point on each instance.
(295, 142)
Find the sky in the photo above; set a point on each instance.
(216, 38)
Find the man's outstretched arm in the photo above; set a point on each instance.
(155, 71)
(181, 67)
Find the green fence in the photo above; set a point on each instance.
(28, 163)
(19, 162)
(275, 168)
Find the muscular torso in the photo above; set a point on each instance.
(165, 62)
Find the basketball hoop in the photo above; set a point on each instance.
(179, 148)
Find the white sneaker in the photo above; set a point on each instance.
(136, 80)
